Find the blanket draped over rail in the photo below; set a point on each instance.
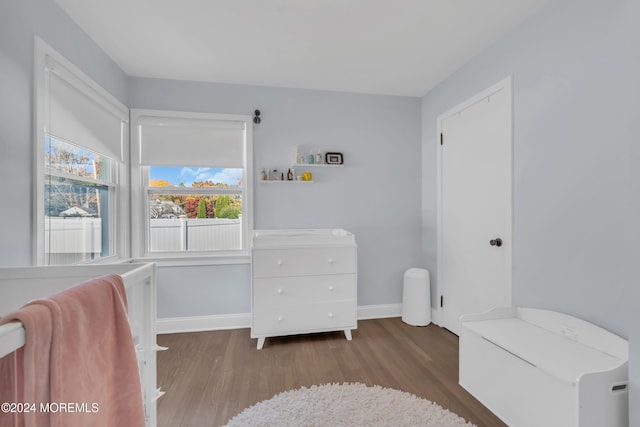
(78, 366)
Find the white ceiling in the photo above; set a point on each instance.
(395, 47)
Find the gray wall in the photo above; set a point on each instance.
(577, 185)
(376, 195)
(576, 74)
(20, 20)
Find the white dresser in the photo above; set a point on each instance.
(303, 281)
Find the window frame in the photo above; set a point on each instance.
(140, 210)
(46, 58)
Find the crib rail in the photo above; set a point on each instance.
(139, 282)
(12, 337)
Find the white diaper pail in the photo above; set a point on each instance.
(416, 297)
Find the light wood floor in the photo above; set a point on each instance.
(211, 376)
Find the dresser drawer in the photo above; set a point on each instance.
(285, 320)
(304, 261)
(303, 289)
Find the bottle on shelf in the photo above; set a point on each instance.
(311, 157)
(289, 175)
(319, 158)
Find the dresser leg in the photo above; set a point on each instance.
(347, 334)
(260, 343)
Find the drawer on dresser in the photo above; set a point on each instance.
(304, 261)
(303, 289)
(300, 318)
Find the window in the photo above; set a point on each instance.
(191, 179)
(78, 192)
(81, 132)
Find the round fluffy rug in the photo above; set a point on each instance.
(346, 405)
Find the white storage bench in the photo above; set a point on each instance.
(537, 368)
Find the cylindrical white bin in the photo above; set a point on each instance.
(416, 297)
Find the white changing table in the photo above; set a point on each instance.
(303, 281)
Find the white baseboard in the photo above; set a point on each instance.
(174, 325)
(435, 316)
(379, 311)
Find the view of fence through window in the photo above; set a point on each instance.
(77, 198)
(194, 209)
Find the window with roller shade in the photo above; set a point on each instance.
(81, 194)
(191, 184)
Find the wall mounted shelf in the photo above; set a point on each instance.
(315, 165)
(285, 182)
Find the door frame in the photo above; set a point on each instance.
(507, 85)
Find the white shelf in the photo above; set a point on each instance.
(272, 181)
(315, 165)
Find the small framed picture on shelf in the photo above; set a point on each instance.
(333, 158)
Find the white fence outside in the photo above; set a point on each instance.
(76, 239)
(72, 240)
(203, 234)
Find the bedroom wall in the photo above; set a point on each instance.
(575, 68)
(376, 195)
(19, 21)
(577, 185)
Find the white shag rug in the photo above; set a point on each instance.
(346, 405)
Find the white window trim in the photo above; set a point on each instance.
(43, 54)
(139, 205)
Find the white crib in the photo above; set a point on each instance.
(19, 285)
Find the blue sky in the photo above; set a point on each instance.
(176, 175)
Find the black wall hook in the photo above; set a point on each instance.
(256, 117)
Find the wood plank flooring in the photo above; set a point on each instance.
(211, 376)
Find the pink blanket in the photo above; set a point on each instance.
(78, 366)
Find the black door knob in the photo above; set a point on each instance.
(496, 242)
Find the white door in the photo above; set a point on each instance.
(474, 205)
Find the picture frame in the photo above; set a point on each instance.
(333, 158)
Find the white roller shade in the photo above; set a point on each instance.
(82, 116)
(191, 142)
